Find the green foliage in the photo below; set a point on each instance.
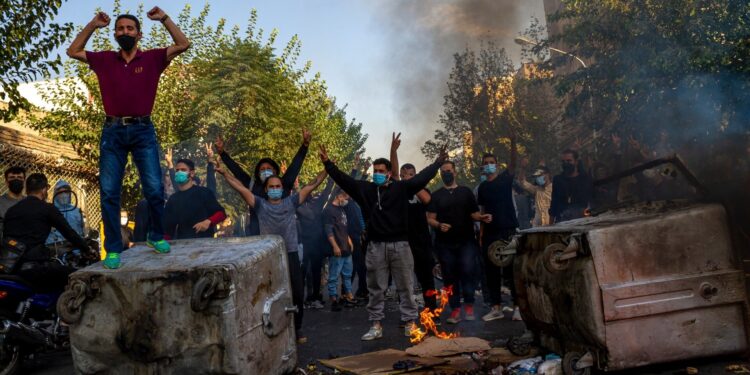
(489, 106)
(226, 84)
(658, 63)
(27, 40)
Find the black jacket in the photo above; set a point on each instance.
(385, 208)
(30, 222)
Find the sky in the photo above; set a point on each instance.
(387, 60)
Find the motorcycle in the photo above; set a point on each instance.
(29, 322)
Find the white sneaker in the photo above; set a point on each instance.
(517, 315)
(508, 309)
(374, 333)
(494, 314)
(408, 328)
(316, 305)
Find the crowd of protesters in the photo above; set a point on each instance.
(368, 232)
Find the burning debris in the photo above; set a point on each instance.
(427, 318)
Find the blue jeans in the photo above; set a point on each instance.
(117, 141)
(458, 264)
(336, 266)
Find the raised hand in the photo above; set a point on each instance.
(283, 166)
(323, 154)
(395, 141)
(100, 20)
(168, 157)
(306, 137)
(209, 151)
(219, 143)
(156, 14)
(442, 155)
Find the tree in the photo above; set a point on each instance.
(491, 107)
(224, 84)
(678, 65)
(27, 42)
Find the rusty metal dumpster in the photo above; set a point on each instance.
(215, 306)
(651, 283)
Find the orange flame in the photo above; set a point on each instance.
(427, 318)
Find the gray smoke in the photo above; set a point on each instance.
(424, 35)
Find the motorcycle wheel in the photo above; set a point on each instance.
(11, 358)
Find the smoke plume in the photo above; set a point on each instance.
(422, 38)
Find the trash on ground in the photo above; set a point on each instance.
(550, 367)
(381, 362)
(435, 347)
(738, 369)
(691, 370)
(525, 366)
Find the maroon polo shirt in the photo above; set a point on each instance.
(128, 89)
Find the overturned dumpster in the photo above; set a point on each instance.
(633, 285)
(218, 306)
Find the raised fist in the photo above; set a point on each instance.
(156, 14)
(100, 20)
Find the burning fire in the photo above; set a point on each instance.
(426, 318)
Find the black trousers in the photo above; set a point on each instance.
(423, 265)
(360, 269)
(46, 277)
(312, 268)
(493, 273)
(298, 289)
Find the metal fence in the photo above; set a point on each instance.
(82, 179)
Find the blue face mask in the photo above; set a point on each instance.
(490, 168)
(482, 178)
(275, 193)
(181, 177)
(379, 178)
(266, 173)
(540, 180)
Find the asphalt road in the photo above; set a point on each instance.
(336, 334)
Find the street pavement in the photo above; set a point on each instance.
(337, 334)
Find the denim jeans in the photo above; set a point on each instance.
(117, 141)
(458, 264)
(336, 266)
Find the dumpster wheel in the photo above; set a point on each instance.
(570, 364)
(550, 256)
(496, 256)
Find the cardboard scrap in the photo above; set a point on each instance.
(380, 362)
(435, 347)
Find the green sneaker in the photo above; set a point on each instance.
(161, 246)
(112, 261)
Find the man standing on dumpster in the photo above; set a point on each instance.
(128, 79)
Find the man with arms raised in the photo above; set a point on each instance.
(128, 79)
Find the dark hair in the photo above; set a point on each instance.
(488, 155)
(265, 183)
(571, 152)
(36, 182)
(274, 165)
(408, 166)
(15, 170)
(129, 17)
(449, 162)
(187, 162)
(382, 161)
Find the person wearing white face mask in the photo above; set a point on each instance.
(265, 168)
(541, 187)
(72, 214)
(385, 207)
(125, 231)
(192, 211)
